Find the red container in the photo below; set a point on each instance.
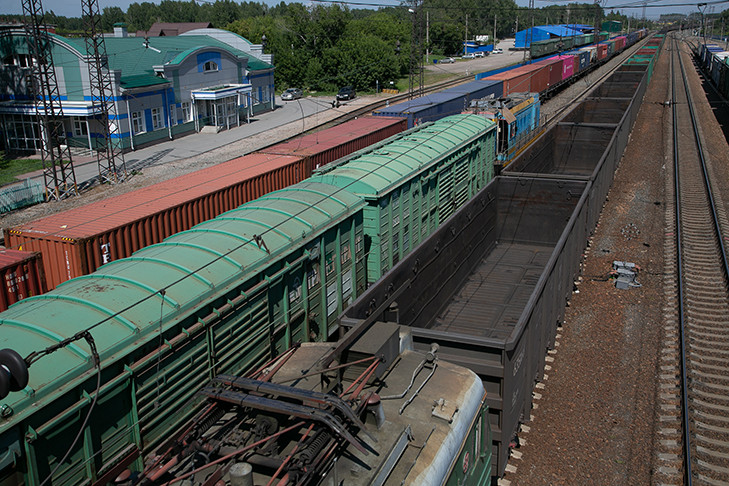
(539, 77)
(78, 241)
(22, 276)
(620, 43)
(602, 50)
(514, 82)
(326, 146)
(553, 66)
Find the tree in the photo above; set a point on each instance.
(111, 16)
(141, 16)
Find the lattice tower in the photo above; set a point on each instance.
(58, 173)
(109, 154)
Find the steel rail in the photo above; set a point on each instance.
(704, 171)
(685, 324)
(685, 436)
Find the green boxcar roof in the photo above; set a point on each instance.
(374, 172)
(201, 262)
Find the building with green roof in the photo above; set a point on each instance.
(163, 87)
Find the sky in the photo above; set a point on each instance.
(654, 8)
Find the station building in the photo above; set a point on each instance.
(163, 87)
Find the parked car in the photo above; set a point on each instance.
(479, 54)
(470, 55)
(447, 60)
(346, 93)
(498, 50)
(292, 94)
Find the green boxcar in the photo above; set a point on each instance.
(222, 297)
(414, 181)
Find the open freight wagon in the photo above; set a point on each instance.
(490, 286)
(522, 239)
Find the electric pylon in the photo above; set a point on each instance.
(109, 154)
(58, 174)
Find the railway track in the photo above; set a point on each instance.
(701, 298)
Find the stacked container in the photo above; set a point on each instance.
(22, 276)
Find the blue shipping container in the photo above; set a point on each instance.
(444, 103)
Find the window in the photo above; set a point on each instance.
(157, 121)
(210, 66)
(173, 115)
(186, 112)
(137, 122)
(79, 126)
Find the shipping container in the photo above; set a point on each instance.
(22, 276)
(592, 52)
(326, 146)
(78, 241)
(513, 82)
(438, 105)
(553, 66)
(528, 78)
(582, 59)
(602, 51)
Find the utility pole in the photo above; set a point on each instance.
(597, 25)
(703, 28)
(416, 53)
(493, 41)
(58, 173)
(531, 31)
(465, 41)
(427, 37)
(102, 97)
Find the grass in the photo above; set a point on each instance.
(10, 167)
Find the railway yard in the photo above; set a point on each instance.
(599, 366)
(607, 410)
